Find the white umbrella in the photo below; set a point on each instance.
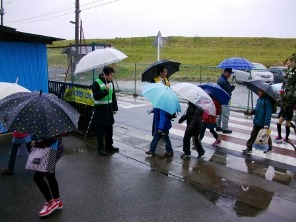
(99, 58)
(195, 95)
(8, 88)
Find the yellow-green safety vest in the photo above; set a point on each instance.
(108, 98)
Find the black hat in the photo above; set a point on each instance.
(228, 70)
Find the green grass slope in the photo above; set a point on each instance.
(190, 51)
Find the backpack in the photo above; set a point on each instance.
(206, 118)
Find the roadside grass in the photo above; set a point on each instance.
(198, 55)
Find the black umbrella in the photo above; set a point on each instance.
(42, 115)
(254, 85)
(151, 71)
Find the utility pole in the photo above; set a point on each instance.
(2, 12)
(77, 11)
(76, 59)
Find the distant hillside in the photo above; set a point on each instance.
(206, 51)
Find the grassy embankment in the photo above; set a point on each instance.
(196, 54)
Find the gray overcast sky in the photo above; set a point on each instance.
(134, 18)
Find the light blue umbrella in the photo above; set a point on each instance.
(236, 63)
(161, 97)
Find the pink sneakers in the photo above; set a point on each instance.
(285, 140)
(216, 143)
(59, 201)
(48, 208)
(277, 139)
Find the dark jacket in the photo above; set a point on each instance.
(193, 116)
(104, 113)
(223, 82)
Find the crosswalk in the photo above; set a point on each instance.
(241, 127)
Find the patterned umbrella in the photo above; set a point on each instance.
(236, 63)
(42, 115)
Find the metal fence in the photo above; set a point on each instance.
(62, 60)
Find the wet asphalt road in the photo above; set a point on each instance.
(96, 188)
(129, 186)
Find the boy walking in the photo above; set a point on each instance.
(262, 118)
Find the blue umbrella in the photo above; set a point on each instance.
(162, 97)
(216, 91)
(236, 63)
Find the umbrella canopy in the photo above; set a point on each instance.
(42, 115)
(7, 88)
(162, 97)
(195, 95)
(99, 58)
(151, 71)
(254, 85)
(236, 63)
(278, 86)
(216, 91)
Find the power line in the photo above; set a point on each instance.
(52, 15)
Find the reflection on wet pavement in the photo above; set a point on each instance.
(240, 185)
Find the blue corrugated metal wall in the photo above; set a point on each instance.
(26, 61)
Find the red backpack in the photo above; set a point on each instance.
(206, 118)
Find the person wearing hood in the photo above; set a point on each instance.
(105, 108)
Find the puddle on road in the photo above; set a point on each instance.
(270, 173)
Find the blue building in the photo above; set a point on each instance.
(23, 56)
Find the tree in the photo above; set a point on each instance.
(288, 99)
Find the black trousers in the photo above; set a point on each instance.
(50, 190)
(107, 132)
(253, 137)
(186, 141)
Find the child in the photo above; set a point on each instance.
(209, 122)
(194, 122)
(262, 118)
(17, 140)
(51, 190)
(162, 125)
(284, 115)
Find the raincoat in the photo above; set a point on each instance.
(104, 112)
(263, 111)
(162, 120)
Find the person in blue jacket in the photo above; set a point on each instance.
(262, 119)
(225, 111)
(162, 125)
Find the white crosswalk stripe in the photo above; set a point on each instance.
(241, 127)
